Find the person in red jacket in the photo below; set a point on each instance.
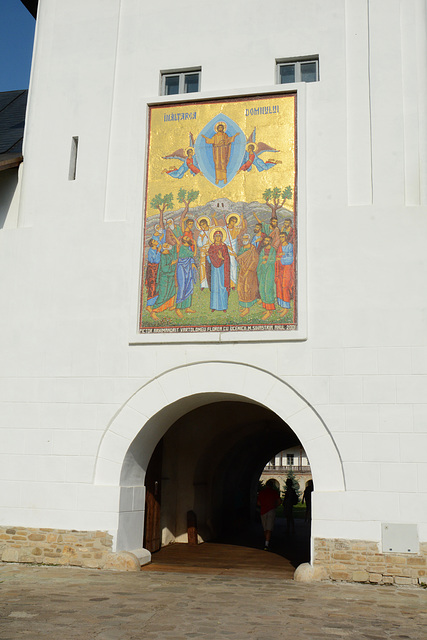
(268, 501)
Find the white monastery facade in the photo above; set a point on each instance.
(292, 462)
(86, 398)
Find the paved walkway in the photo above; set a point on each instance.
(58, 603)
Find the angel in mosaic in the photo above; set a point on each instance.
(253, 152)
(188, 159)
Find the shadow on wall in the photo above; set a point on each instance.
(8, 186)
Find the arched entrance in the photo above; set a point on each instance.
(209, 462)
(132, 436)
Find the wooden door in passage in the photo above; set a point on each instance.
(153, 493)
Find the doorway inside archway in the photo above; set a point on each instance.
(209, 463)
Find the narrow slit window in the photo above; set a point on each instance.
(73, 158)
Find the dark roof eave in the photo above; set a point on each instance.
(9, 161)
(31, 5)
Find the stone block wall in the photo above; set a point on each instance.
(55, 546)
(362, 561)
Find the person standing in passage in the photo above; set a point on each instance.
(265, 271)
(247, 282)
(218, 272)
(289, 501)
(268, 501)
(307, 499)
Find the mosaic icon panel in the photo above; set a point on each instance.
(220, 223)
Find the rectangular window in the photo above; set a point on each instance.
(298, 70)
(180, 82)
(290, 459)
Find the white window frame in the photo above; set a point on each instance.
(296, 63)
(181, 73)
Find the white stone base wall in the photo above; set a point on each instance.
(361, 561)
(55, 546)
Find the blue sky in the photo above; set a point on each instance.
(16, 45)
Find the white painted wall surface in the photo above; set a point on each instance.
(66, 367)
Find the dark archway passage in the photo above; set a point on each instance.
(212, 459)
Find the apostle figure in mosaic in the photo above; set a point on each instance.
(218, 271)
(203, 243)
(271, 229)
(266, 272)
(153, 261)
(234, 227)
(188, 226)
(165, 281)
(173, 232)
(186, 276)
(247, 282)
(284, 274)
(221, 147)
(159, 234)
(289, 230)
(258, 237)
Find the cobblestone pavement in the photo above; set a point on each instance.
(58, 603)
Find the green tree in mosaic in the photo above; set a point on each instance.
(186, 198)
(276, 198)
(162, 203)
